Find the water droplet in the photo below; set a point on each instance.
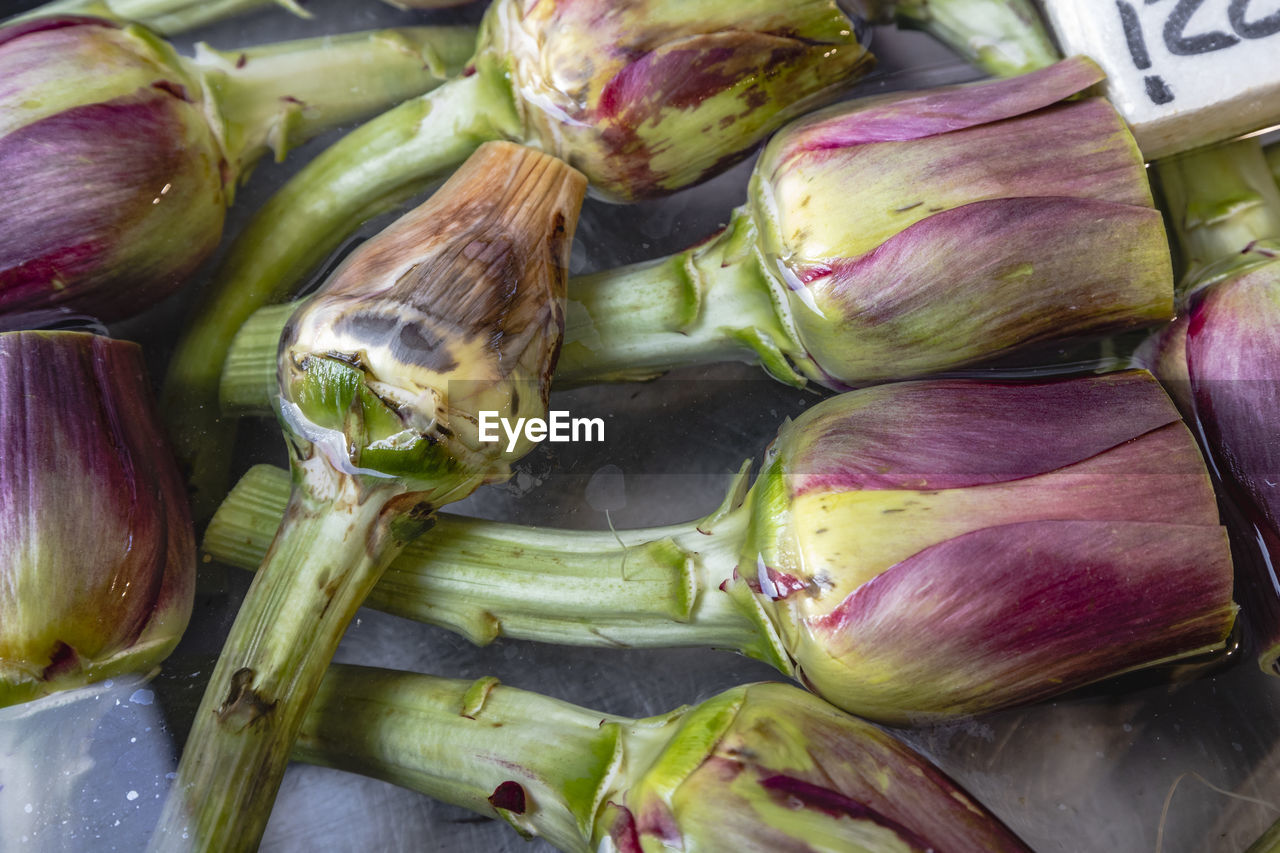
(607, 490)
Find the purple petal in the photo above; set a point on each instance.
(1232, 345)
(917, 115)
(858, 768)
(1015, 613)
(1233, 358)
(980, 280)
(111, 205)
(947, 434)
(12, 32)
(96, 545)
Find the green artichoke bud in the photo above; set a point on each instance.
(97, 554)
(882, 240)
(118, 157)
(764, 767)
(454, 310)
(912, 552)
(114, 183)
(902, 236)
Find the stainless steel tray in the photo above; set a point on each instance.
(1138, 766)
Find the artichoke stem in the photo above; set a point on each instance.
(656, 588)
(280, 95)
(710, 303)
(327, 556)
(1002, 37)
(248, 384)
(375, 167)
(166, 17)
(472, 743)
(1222, 200)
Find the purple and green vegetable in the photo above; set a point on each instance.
(879, 241)
(657, 96)
(912, 552)
(1221, 357)
(764, 767)
(455, 309)
(118, 157)
(97, 553)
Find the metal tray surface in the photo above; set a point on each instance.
(1141, 765)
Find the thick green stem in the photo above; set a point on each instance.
(376, 166)
(657, 587)
(1273, 160)
(249, 384)
(1221, 201)
(328, 554)
(1002, 37)
(466, 742)
(166, 17)
(279, 95)
(710, 303)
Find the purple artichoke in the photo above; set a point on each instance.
(763, 767)
(118, 157)
(1221, 360)
(912, 552)
(113, 181)
(937, 548)
(97, 553)
(902, 236)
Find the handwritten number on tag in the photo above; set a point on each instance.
(1267, 26)
(1181, 44)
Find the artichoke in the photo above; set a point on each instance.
(882, 240)
(1219, 357)
(763, 767)
(912, 552)
(1003, 37)
(97, 553)
(902, 236)
(453, 310)
(645, 98)
(118, 157)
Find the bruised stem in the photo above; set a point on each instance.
(539, 763)
(376, 166)
(326, 557)
(1221, 201)
(657, 587)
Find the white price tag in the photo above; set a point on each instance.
(1184, 73)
